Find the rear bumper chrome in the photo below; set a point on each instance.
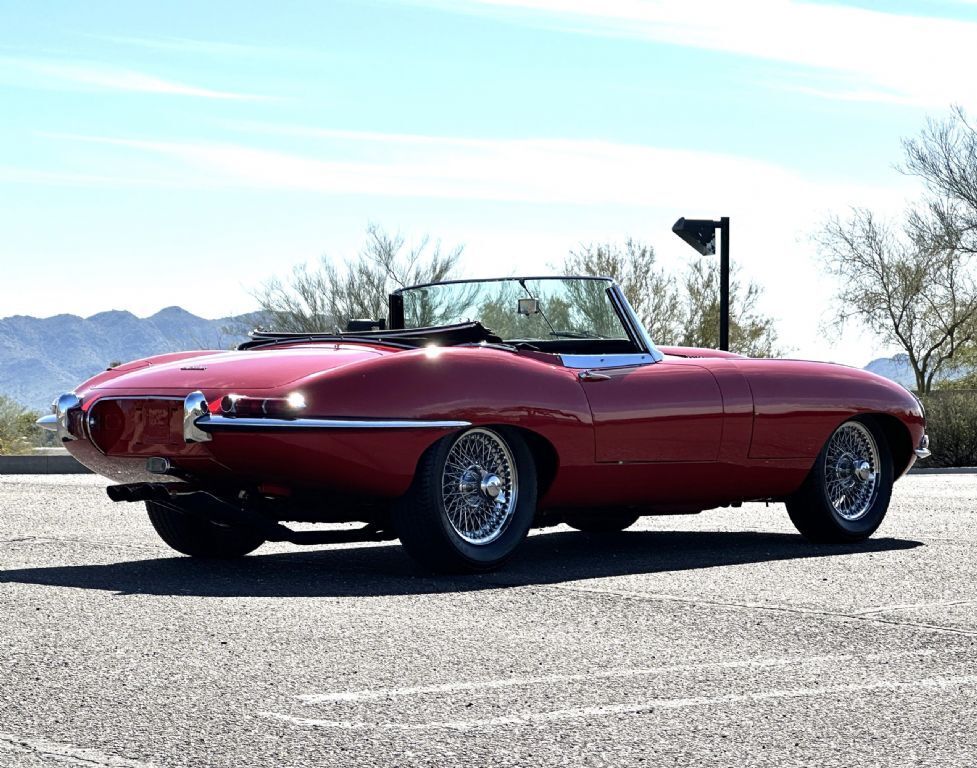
(923, 451)
(59, 420)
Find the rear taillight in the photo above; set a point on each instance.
(289, 407)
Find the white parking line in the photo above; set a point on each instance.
(914, 606)
(534, 718)
(512, 682)
(65, 753)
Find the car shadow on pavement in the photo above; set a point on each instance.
(385, 569)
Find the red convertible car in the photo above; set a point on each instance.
(475, 411)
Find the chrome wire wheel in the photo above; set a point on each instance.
(851, 471)
(479, 486)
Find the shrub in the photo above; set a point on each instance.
(18, 432)
(951, 422)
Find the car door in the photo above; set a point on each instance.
(660, 412)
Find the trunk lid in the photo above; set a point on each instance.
(247, 369)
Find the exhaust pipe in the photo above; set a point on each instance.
(144, 491)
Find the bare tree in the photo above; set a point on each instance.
(908, 289)
(684, 312)
(649, 289)
(322, 298)
(750, 332)
(944, 156)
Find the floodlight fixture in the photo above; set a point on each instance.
(701, 235)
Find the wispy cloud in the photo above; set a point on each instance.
(918, 60)
(55, 73)
(532, 170)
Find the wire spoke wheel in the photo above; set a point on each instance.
(851, 471)
(479, 486)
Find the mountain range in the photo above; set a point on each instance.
(43, 357)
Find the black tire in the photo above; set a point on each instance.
(421, 518)
(190, 533)
(822, 520)
(601, 521)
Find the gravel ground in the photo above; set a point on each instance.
(719, 639)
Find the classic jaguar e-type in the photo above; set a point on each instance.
(475, 411)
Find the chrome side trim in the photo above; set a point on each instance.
(217, 423)
(49, 422)
(605, 361)
(68, 402)
(195, 410)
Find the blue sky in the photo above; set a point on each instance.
(180, 153)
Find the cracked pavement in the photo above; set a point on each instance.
(717, 639)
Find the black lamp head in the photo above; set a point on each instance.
(699, 233)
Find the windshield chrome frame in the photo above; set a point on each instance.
(622, 307)
(631, 320)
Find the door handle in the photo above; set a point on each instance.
(592, 376)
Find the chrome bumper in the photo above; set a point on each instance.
(58, 419)
(923, 451)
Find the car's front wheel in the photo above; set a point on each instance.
(846, 495)
(472, 501)
(191, 533)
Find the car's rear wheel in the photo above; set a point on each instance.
(846, 495)
(191, 533)
(601, 521)
(472, 501)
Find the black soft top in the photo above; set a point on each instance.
(407, 338)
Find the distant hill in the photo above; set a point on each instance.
(896, 368)
(43, 357)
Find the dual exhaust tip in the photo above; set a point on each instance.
(139, 492)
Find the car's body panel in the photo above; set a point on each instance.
(668, 412)
(798, 404)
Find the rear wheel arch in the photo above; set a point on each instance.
(544, 455)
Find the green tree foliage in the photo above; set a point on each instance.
(684, 311)
(18, 432)
(327, 296)
(633, 265)
(951, 422)
(750, 332)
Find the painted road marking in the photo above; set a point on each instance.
(513, 682)
(65, 754)
(650, 705)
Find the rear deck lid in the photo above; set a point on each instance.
(248, 369)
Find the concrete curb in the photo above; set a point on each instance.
(42, 465)
(943, 471)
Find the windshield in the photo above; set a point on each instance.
(523, 309)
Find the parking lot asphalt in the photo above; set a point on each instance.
(718, 639)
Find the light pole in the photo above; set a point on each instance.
(701, 235)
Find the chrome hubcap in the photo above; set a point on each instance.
(479, 486)
(851, 465)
